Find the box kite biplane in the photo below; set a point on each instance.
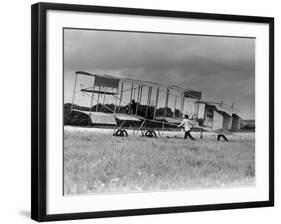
(146, 107)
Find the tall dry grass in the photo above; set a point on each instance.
(101, 163)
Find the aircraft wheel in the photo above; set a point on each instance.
(119, 133)
(154, 134)
(150, 134)
(125, 133)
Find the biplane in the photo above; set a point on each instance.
(148, 108)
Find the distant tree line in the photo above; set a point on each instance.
(77, 118)
(247, 125)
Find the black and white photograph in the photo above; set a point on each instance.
(139, 111)
(150, 112)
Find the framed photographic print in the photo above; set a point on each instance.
(139, 111)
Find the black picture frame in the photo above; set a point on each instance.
(39, 108)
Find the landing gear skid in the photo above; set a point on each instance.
(223, 137)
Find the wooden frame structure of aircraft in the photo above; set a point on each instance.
(105, 85)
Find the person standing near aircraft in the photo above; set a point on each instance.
(133, 107)
(186, 124)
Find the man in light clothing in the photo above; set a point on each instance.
(187, 124)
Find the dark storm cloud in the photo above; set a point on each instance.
(221, 67)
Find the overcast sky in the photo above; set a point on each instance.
(223, 68)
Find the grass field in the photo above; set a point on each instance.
(101, 163)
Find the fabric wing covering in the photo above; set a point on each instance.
(102, 118)
(106, 82)
(192, 94)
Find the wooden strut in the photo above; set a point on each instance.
(141, 126)
(121, 96)
(148, 100)
(182, 102)
(131, 98)
(74, 90)
(98, 100)
(156, 103)
(175, 105)
(134, 93)
(140, 94)
(196, 110)
(104, 96)
(122, 124)
(138, 100)
(165, 110)
(115, 105)
(96, 91)
(103, 104)
(119, 126)
(92, 97)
